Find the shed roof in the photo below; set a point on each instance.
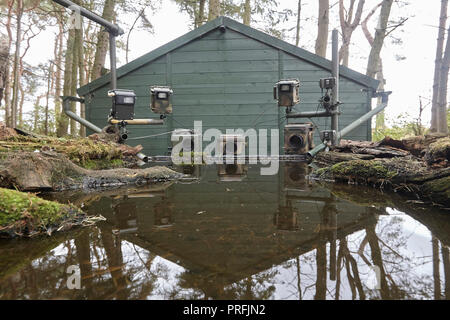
(238, 27)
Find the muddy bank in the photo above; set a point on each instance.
(26, 215)
(417, 167)
(51, 171)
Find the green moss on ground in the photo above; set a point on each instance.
(24, 214)
(84, 152)
(360, 170)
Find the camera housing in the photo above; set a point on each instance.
(161, 101)
(298, 138)
(328, 136)
(327, 83)
(287, 92)
(123, 102)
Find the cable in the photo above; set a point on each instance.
(173, 118)
(152, 135)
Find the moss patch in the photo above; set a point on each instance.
(439, 152)
(24, 214)
(438, 190)
(84, 152)
(358, 170)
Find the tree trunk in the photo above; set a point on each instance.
(201, 13)
(20, 104)
(4, 64)
(214, 9)
(437, 64)
(380, 33)
(82, 79)
(58, 66)
(102, 42)
(74, 82)
(7, 91)
(36, 114)
(247, 13)
(47, 97)
(297, 33)
(348, 26)
(322, 26)
(379, 123)
(442, 126)
(63, 122)
(16, 67)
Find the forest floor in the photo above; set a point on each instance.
(417, 167)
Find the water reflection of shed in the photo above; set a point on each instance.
(231, 231)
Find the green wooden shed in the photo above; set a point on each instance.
(223, 73)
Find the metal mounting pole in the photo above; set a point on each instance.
(84, 122)
(335, 90)
(357, 122)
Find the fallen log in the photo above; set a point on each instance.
(404, 175)
(372, 148)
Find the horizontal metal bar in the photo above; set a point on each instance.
(356, 123)
(138, 121)
(308, 114)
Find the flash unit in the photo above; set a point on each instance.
(162, 95)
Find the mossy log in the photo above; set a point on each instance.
(52, 171)
(417, 166)
(404, 175)
(26, 215)
(89, 153)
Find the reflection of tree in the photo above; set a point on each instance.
(321, 266)
(83, 252)
(446, 260)
(436, 276)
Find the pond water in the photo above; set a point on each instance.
(229, 232)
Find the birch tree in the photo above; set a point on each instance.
(442, 105)
(297, 27)
(380, 33)
(348, 25)
(379, 123)
(435, 112)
